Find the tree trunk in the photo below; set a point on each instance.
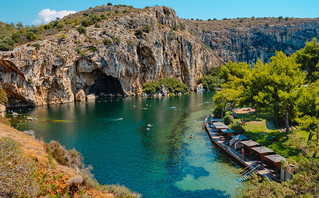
(310, 137)
(287, 123)
(317, 143)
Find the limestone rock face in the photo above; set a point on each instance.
(248, 44)
(115, 59)
(80, 95)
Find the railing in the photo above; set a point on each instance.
(247, 174)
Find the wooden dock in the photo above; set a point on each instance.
(248, 164)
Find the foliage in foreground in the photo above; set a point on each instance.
(17, 174)
(173, 85)
(23, 177)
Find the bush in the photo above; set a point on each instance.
(109, 4)
(228, 119)
(18, 175)
(173, 86)
(6, 43)
(34, 37)
(81, 30)
(3, 96)
(16, 37)
(103, 17)
(218, 111)
(139, 33)
(107, 42)
(36, 45)
(70, 158)
(60, 25)
(238, 128)
(149, 88)
(93, 49)
(62, 36)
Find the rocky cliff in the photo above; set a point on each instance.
(246, 40)
(114, 57)
(132, 46)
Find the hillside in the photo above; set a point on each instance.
(30, 169)
(114, 50)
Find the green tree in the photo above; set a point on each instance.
(308, 57)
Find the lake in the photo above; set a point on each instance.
(158, 160)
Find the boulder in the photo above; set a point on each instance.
(80, 96)
(75, 180)
(90, 97)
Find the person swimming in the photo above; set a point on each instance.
(148, 129)
(149, 125)
(191, 137)
(120, 119)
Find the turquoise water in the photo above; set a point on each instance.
(161, 161)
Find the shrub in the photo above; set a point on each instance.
(68, 21)
(62, 36)
(16, 37)
(103, 17)
(238, 128)
(139, 33)
(109, 4)
(81, 30)
(3, 96)
(149, 88)
(34, 37)
(107, 42)
(60, 25)
(47, 27)
(36, 45)
(182, 26)
(218, 111)
(6, 43)
(86, 22)
(228, 119)
(173, 86)
(18, 174)
(93, 49)
(70, 158)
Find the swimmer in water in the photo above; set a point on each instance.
(149, 125)
(148, 129)
(120, 119)
(191, 137)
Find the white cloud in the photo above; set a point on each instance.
(47, 15)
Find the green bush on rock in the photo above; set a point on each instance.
(172, 85)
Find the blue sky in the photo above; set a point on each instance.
(27, 11)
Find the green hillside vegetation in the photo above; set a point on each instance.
(212, 79)
(173, 85)
(284, 91)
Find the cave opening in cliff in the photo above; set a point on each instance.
(107, 85)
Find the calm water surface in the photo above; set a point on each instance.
(163, 161)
